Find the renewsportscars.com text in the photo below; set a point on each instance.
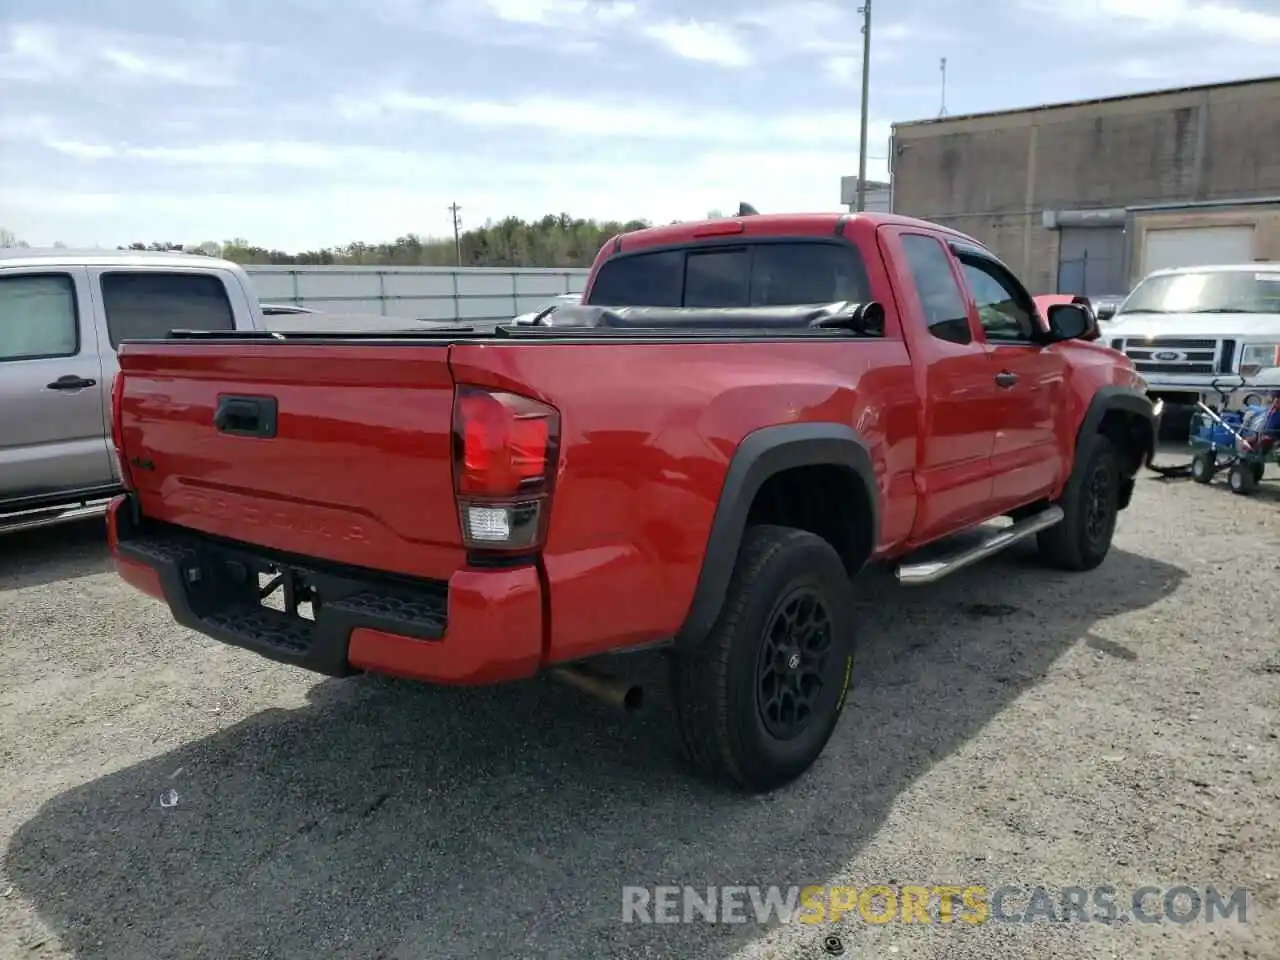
(973, 904)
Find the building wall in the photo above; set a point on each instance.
(425, 293)
(993, 176)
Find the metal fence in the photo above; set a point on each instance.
(423, 293)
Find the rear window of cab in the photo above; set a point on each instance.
(761, 274)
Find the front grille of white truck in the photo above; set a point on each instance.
(1178, 355)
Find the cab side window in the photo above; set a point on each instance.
(146, 306)
(945, 311)
(38, 317)
(1004, 311)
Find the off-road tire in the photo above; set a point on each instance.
(717, 680)
(1203, 466)
(1083, 538)
(1243, 478)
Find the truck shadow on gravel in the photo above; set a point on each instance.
(35, 558)
(387, 819)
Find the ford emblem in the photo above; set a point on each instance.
(1166, 355)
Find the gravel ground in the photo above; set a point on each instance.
(1010, 726)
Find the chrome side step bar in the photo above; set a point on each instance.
(36, 519)
(930, 571)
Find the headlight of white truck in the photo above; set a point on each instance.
(1259, 356)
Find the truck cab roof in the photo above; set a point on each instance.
(63, 257)
(767, 224)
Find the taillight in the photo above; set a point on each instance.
(505, 452)
(117, 431)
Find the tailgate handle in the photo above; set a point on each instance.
(246, 416)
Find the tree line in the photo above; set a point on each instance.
(553, 241)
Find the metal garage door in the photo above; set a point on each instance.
(1196, 247)
(1091, 261)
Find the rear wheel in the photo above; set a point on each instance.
(1091, 506)
(758, 698)
(1243, 478)
(1202, 466)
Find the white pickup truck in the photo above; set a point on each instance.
(1185, 327)
(62, 314)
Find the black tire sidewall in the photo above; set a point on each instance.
(1100, 450)
(1243, 478)
(1202, 467)
(763, 758)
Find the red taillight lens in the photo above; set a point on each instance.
(117, 430)
(505, 453)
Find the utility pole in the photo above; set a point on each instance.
(865, 10)
(457, 236)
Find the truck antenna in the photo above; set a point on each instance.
(942, 65)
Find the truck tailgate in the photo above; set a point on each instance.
(341, 454)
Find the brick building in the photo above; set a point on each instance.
(1087, 197)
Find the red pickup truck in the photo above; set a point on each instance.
(741, 415)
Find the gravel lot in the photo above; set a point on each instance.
(1011, 725)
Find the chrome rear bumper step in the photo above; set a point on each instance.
(930, 571)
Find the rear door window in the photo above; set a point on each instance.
(759, 275)
(945, 310)
(146, 306)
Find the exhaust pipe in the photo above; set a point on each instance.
(618, 694)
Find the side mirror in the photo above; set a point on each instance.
(1070, 321)
(1106, 310)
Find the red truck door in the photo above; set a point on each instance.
(1026, 457)
(953, 379)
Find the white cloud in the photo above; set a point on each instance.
(560, 25)
(843, 70)
(555, 12)
(685, 188)
(599, 120)
(246, 154)
(44, 53)
(1201, 19)
(807, 25)
(702, 42)
(832, 32)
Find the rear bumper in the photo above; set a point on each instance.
(479, 627)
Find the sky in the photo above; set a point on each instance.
(301, 124)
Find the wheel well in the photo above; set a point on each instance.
(828, 500)
(1132, 436)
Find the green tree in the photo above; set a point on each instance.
(556, 240)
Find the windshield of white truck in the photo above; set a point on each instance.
(1207, 291)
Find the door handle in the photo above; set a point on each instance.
(71, 382)
(1005, 379)
(246, 416)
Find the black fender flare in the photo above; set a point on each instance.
(762, 454)
(1108, 399)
